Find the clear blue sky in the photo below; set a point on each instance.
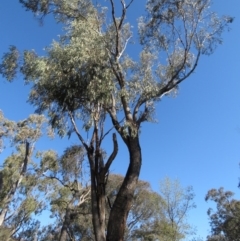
(197, 137)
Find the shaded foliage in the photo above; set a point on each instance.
(225, 220)
(18, 178)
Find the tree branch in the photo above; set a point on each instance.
(171, 84)
(113, 155)
(26, 159)
(59, 180)
(117, 29)
(83, 197)
(77, 132)
(143, 116)
(140, 102)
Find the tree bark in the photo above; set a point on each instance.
(98, 204)
(3, 215)
(99, 172)
(123, 201)
(66, 222)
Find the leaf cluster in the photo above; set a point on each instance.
(225, 220)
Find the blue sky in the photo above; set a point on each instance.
(197, 137)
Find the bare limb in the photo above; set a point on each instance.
(124, 10)
(113, 155)
(76, 130)
(117, 29)
(26, 159)
(140, 102)
(60, 181)
(84, 197)
(113, 115)
(129, 4)
(103, 136)
(124, 47)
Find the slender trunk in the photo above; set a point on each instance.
(123, 202)
(2, 215)
(98, 171)
(98, 206)
(101, 210)
(35, 236)
(66, 222)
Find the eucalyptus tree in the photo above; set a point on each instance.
(177, 202)
(225, 219)
(75, 96)
(88, 74)
(17, 176)
(68, 193)
(170, 222)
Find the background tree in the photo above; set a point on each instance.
(90, 67)
(147, 219)
(68, 194)
(225, 220)
(18, 198)
(170, 220)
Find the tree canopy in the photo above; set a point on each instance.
(225, 220)
(87, 76)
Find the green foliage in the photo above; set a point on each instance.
(89, 64)
(156, 216)
(18, 132)
(225, 220)
(49, 161)
(62, 184)
(147, 220)
(19, 197)
(169, 221)
(64, 10)
(72, 162)
(86, 75)
(9, 65)
(145, 207)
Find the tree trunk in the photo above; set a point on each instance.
(3, 215)
(123, 201)
(98, 204)
(66, 222)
